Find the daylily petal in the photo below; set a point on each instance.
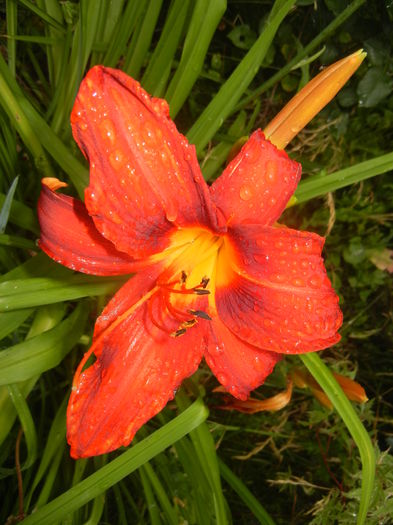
(137, 371)
(144, 175)
(257, 184)
(253, 405)
(238, 366)
(69, 236)
(279, 297)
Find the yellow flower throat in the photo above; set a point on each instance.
(192, 262)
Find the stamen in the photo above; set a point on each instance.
(189, 323)
(181, 316)
(204, 282)
(179, 332)
(150, 312)
(200, 313)
(198, 291)
(177, 314)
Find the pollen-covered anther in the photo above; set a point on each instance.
(200, 313)
(179, 332)
(199, 289)
(189, 323)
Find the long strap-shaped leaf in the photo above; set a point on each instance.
(303, 53)
(221, 105)
(25, 293)
(205, 18)
(45, 351)
(321, 184)
(120, 467)
(325, 378)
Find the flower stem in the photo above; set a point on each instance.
(325, 378)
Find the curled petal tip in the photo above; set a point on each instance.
(312, 99)
(53, 184)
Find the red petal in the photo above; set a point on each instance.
(238, 366)
(69, 236)
(279, 297)
(137, 371)
(257, 184)
(144, 176)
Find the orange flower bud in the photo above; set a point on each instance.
(311, 99)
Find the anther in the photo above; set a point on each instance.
(189, 323)
(183, 277)
(198, 291)
(179, 332)
(200, 313)
(205, 282)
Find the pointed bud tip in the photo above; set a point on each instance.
(53, 184)
(315, 95)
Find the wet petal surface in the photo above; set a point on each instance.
(138, 368)
(69, 236)
(278, 296)
(238, 366)
(257, 184)
(144, 176)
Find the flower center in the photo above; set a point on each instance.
(187, 285)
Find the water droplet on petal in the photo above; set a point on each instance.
(116, 159)
(246, 193)
(271, 171)
(107, 130)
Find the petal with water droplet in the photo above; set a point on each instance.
(126, 386)
(238, 366)
(69, 236)
(278, 298)
(142, 168)
(257, 184)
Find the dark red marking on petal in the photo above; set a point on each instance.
(69, 236)
(279, 297)
(257, 184)
(144, 175)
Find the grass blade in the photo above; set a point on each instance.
(137, 52)
(205, 18)
(243, 492)
(321, 184)
(43, 352)
(6, 207)
(222, 104)
(325, 378)
(25, 293)
(27, 423)
(157, 72)
(120, 467)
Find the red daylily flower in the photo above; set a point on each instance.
(216, 276)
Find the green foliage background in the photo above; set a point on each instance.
(225, 69)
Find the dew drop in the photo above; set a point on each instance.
(116, 159)
(171, 213)
(222, 379)
(315, 281)
(107, 130)
(271, 171)
(246, 193)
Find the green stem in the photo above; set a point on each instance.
(325, 378)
